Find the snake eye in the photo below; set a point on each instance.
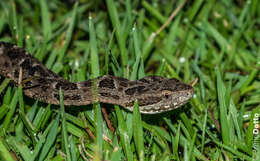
(166, 93)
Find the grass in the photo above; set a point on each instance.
(214, 41)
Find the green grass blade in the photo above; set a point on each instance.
(124, 137)
(50, 139)
(191, 148)
(95, 73)
(21, 102)
(93, 50)
(249, 79)
(154, 12)
(64, 128)
(46, 24)
(138, 132)
(204, 131)
(4, 152)
(73, 150)
(138, 69)
(176, 143)
(23, 149)
(4, 84)
(221, 90)
(120, 39)
(30, 128)
(41, 142)
(69, 32)
(9, 116)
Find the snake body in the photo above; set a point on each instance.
(155, 94)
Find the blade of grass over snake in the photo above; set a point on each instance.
(95, 73)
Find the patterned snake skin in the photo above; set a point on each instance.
(154, 94)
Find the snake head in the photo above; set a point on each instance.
(161, 95)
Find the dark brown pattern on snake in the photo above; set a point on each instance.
(154, 94)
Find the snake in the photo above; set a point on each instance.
(154, 94)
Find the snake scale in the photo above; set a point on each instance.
(155, 94)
